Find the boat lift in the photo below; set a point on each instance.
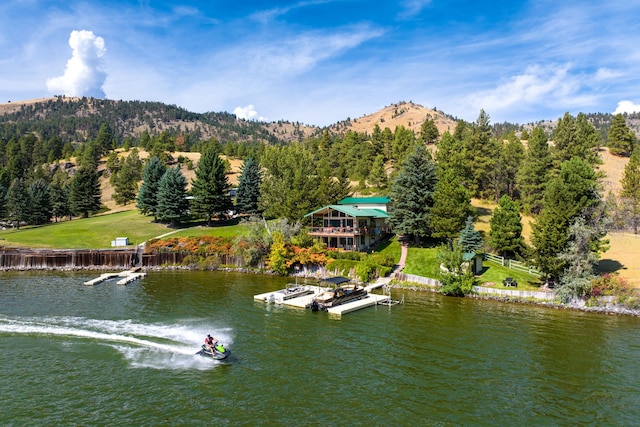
(386, 290)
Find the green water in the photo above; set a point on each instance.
(111, 355)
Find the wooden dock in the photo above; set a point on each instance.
(128, 276)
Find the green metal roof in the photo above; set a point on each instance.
(365, 200)
(353, 211)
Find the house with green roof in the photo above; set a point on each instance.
(354, 224)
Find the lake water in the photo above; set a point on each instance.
(71, 354)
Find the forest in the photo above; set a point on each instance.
(54, 153)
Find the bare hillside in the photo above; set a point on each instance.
(406, 114)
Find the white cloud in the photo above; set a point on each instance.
(248, 113)
(84, 74)
(627, 107)
(413, 7)
(607, 74)
(537, 86)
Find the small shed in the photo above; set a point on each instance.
(120, 241)
(475, 261)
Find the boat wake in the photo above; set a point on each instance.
(155, 345)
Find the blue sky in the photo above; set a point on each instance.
(321, 61)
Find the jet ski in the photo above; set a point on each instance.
(219, 352)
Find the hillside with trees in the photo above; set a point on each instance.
(57, 156)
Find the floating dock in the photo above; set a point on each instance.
(305, 301)
(128, 276)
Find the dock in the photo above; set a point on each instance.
(127, 276)
(305, 301)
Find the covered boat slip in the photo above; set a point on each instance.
(304, 301)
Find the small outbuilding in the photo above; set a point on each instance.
(475, 261)
(120, 241)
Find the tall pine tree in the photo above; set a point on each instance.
(451, 207)
(533, 174)
(173, 205)
(412, 195)
(248, 195)
(630, 193)
(84, 192)
(505, 234)
(210, 188)
(147, 200)
(621, 139)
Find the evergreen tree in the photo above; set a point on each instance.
(505, 235)
(17, 202)
(84, 192)
(480, 156)
(378, 175)
(533, 174)
(575, 137)
(630, 193)
(59, 195)
(580, 261)
(3, 201)
(451, 207)
(210, 189)
(571, 194)
(470, 239)
(621, 139)
(428, 132)
(412, 195)
(248, 195)
(104, 141)
(289, 185)
(126, 181)
(173, 205)
(510, 160)
(147, 200)
(40, 209)
(403, 143)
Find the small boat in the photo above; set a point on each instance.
(292, 290)
(338, 295)
(219, 352)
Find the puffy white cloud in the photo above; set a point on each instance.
(248, 113)
(84, 74)
(626, 107)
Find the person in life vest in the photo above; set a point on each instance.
(210, 342)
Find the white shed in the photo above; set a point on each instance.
(120, 241)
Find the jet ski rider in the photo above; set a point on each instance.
(210, 342)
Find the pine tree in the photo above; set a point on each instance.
(126, 181)
(17, 202)
(481, 154)
(173, 205)
(210, 188)
(248, 195)
(630, 193)
(40, 209)
(147, 200)
(621, 139)
(470, 239)
(378, 175)
(571, 194)
(505, 235)
(412, 195)
(451, 207)
(428, 132)
(575, 137)
(84, 192)
(533, 174)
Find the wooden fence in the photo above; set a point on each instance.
(512, 264)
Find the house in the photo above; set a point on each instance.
(354, 224)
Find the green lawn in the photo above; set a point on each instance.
(391, 246)
(97, 232)
(86, 233)
(424, 262)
